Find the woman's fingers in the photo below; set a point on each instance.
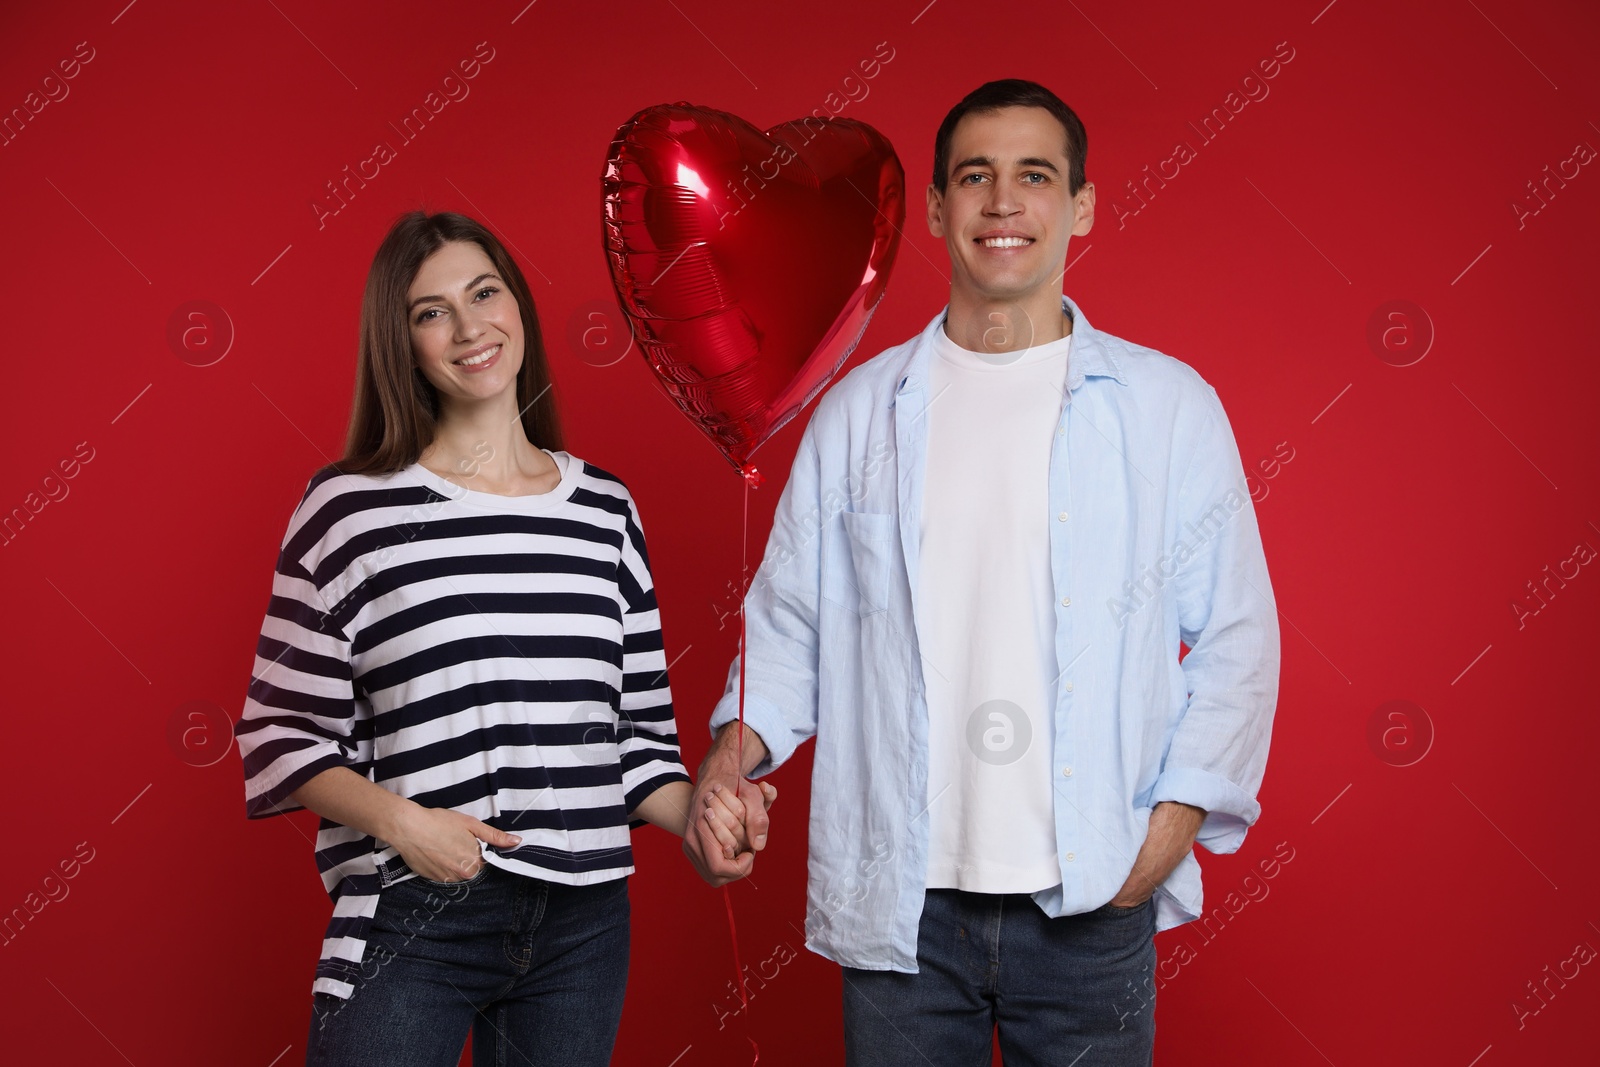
(499, 838)
(728, 826)
(729, 800)
(725, 838)
(436, 851)
(736, 817)
(709, 855)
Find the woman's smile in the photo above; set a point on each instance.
(481, 358)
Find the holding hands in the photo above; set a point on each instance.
(727, 812)
(727, 827)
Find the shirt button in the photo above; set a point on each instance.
(1066, 602)
(1061, 431)
(1062, 516)
(1071, 856)
(1066, 772)
(1067, 687)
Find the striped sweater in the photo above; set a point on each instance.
(501, 656)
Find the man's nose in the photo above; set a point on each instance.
(1001, 201)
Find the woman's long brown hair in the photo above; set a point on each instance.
(395, 411)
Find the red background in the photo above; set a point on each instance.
(1382, 166)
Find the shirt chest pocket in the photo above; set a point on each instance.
(858, 580)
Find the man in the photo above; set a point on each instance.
(992, 541)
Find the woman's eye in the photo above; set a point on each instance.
(426, 315)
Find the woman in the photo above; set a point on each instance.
(461, 670)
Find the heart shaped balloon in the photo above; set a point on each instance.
(747, 263)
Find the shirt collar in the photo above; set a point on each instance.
(1091, 356)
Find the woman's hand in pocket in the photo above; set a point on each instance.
(441, 844)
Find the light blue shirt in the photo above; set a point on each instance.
(1153, 540)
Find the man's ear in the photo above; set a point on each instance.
(1083, 219)
(935, 211)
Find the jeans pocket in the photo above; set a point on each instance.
(1109, 908)
(483, 872)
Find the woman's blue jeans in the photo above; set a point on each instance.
(1077, 990)
(534, 969)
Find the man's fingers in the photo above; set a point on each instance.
(755, 817)
(745, 864)
(727, 826)
(735, 828)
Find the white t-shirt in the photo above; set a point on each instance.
(986, 616)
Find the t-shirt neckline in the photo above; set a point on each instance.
(967, 359)
(567, 464)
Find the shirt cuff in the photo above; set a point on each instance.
(1230, 811)
(766, 720)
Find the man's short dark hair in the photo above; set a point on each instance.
(1012, 92)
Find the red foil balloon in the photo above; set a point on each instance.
(748, 263)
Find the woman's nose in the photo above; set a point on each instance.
(468, 326)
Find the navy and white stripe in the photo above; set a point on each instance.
(501, 656)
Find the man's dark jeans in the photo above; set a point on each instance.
(1077, 991)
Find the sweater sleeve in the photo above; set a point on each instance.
(301, 710)
(647, 732)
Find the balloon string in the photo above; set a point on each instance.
(744, 998)
(727, 895)
(744, 540)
